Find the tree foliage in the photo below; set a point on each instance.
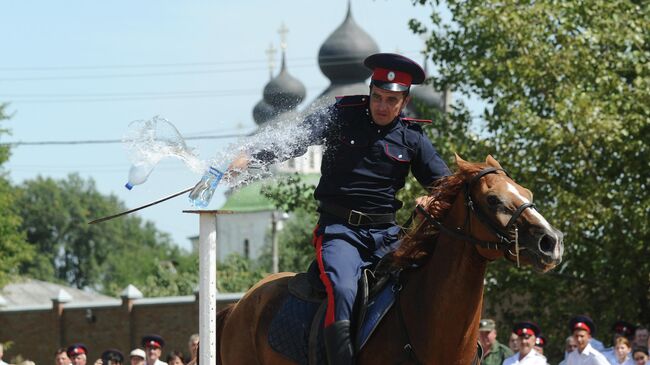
(295, 247)
(106, 256)
(237, 274)
(568, 92)
(14, 250)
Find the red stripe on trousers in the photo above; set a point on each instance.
(329, 313)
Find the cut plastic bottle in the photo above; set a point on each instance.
(203, 191)
(138, 174)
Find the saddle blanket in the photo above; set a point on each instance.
(290, 329)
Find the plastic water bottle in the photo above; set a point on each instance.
(202, 193)
(138, 174)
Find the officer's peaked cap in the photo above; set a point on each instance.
(623, 328)
(526, 328)
(76, 349)
(113, 354)
(582, 323)
(394, 72)
(153, 341)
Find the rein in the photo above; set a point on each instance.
(504, 243)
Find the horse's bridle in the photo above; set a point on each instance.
(505, 243)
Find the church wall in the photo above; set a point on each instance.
(233, 229)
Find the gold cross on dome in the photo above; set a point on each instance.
(283, 35)
(270, 53)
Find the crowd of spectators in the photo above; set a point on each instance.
(526, 344)
(150, 353)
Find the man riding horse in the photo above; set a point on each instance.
(370, 149)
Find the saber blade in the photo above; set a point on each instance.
(141, 207)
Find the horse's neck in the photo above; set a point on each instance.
(442, 300)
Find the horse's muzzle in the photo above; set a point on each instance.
(550, 246)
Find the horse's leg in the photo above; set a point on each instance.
(244, 336)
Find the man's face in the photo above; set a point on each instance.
(62, 359)
(487, 338)
(513, 342)
(526, 343)
(385, 105)
(641, 337)
(79, 359)
(571, 344)
(582, 338)
(137, 360)
(194, 346)
(153, 353)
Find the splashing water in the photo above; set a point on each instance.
(149, 141)
(282, 136)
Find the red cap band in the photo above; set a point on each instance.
(153, 343)
(386, 75)
(582, 326)
(79, 351)
(525, 331)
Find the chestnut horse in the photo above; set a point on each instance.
(474, 216)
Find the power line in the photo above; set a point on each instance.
(108, 141)
(168, 73)
(134, 96)
(162, 65)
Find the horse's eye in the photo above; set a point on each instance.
(493, 200)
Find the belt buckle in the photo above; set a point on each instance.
(359, 216)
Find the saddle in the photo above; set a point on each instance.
(296, 329)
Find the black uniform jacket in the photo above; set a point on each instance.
(364, 164)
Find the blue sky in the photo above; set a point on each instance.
(83, 70)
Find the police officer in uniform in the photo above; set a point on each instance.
(153, 345)
(369, 151)
(78, 354)
(527, 333)
(583, 329)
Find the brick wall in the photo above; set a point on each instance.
(37, 333)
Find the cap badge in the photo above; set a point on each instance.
(390, 76)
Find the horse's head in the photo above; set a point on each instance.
(500, 210)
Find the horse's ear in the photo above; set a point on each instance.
(492, 162)
(460, 162)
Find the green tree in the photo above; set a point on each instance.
(14, 250)
(292, 194)
(106, 256)
(568, 92)
(294, 242)
(237, 274)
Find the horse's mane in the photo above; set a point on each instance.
(419, 241)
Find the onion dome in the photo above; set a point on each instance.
(284, 92)
(341, 56)
(263, 112)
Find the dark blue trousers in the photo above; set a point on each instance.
(342, 251)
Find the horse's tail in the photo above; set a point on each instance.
(221, 320)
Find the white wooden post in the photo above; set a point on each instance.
(207, 284)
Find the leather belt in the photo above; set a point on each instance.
(355, 217)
